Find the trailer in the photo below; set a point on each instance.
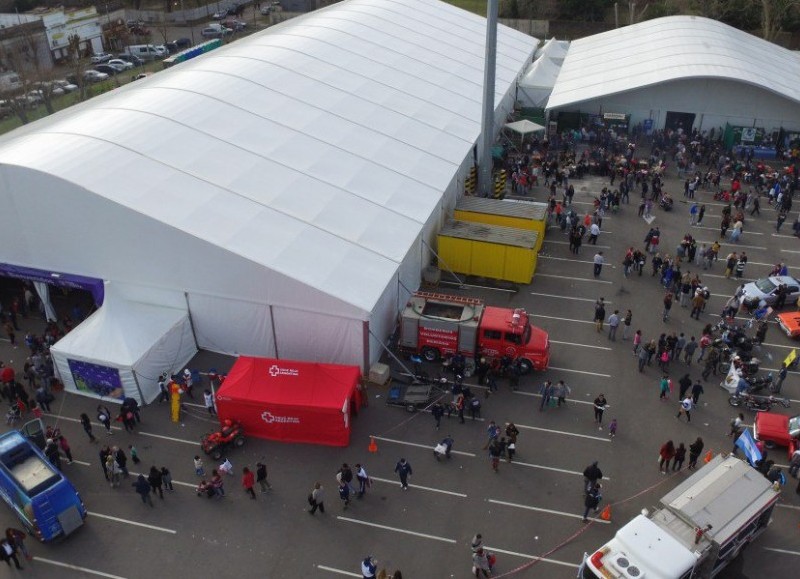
(699, 528)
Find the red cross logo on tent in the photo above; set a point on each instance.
(274, 370)
(267, 416)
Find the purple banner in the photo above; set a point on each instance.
(91, 284)
(102, 380)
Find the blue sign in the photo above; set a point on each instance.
(101, 380)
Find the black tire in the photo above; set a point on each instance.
(216, 454)
(238, 442)
(735, 401)
(430, 354)
(525, 366)
(769, 445)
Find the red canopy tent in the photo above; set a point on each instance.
(291, 401)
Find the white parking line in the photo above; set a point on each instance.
(598, 374)
(588, 279)
(338, 571)
(535, 557)
(549, 511)
(717, 228)
(784, 551)
(562, 432)
(581, 345)
(520, 392)
(572, 260)
(560, 319)
(76, 568)
(413, 486)
(425, 446)
(783, 250)
(184, 441)
(567, 298)
(134, 523)
(784, 236)
(396, 530)
(794, 508)
(562, 470)
(732, 245)
(779, 346)
(597, 246)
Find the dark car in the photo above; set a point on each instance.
(132, 58)
(178, 45)
(104, 68)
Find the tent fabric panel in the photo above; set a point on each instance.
(304, 335)
(127, 385)
(170, 353)
(229, 326)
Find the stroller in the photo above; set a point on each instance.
(13, 414)
(666, 202)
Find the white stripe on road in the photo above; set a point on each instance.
(567, 259)
(560, 319)
(534, 557)
(549, 511)
(779, 346)
(562, 432)
(134, 523)
(733, 245)
(338, 571)
(783, 250)
(425, 446)
(788, 507)
(579, 372)
(597, 246)
(589, 279)
(80, 462)
(717, 228)
(413, 486)
(565, 471)
(784, 551)
(568, 298)
(68, 419)
(396, 530)
(76, 568)
(520, 392)
(581, 345)
(559, 227)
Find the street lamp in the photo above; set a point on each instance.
(191, 26)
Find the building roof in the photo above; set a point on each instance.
(317, 148)
(669, 49)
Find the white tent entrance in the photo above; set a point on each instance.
(119, 351)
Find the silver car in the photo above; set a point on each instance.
(767, 289)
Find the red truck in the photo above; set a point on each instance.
(436, 325)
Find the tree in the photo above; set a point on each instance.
(23, 55)
(76, 63)
(587, 10)
(775, 14)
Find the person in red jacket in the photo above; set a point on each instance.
(248, 482)
(666, 454)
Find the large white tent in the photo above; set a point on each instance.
(537, 83)
(685, 66)
(282, 189)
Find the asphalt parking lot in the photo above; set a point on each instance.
(529, 513)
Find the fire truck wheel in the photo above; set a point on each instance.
(430, 354)
(525, 366)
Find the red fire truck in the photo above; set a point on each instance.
(436, 325)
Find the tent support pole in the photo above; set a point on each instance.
(274, 335)
(392, 354)
(191, 321)
(443, 262)
(365, 333)
(138, 388)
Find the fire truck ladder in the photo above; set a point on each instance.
(448, 298)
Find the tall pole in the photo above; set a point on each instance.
(487, 122)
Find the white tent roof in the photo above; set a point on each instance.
(668, 49)
(542, 73)
(317, 148)
(524, 127)
(553, 49)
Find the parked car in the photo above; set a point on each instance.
(120, 64)
(132, 58)
(65, 85)
(767, 289)
(162, 50)
(177, 45)
(219, 15)
(50, 87)
(270, 7)
(106, 69)
(101, 57)
(790, 323)
(213, 32)
(94, 76)
(777, 430)
(5, 109)
(233, 24)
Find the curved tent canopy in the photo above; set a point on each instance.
(555, 50)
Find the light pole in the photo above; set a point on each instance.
(191, 26)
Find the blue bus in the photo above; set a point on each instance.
(43, 499)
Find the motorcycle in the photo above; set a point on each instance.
(665, 203)
(757, 403)
(748, 364)
(758, 383)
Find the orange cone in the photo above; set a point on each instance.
(373, 446)
(708, 457)
(605, 515)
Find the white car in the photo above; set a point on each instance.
(120, 64)
(64, 85)
(94, 76)
(101, 57)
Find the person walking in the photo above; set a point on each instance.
(663, 388)
(626, 327)
(782, 373)
(694, 452)
(697, 390)
(736, 425)
(643, 356)
(592, 501)
(680, 456)
(689, 350)
(684, 383)
(121, 460)
(685, 408)
(261, 477)
(248, 482)
(369, 567)
(17, 540)
(600, 405)
(63, 444)
(104, 416)
(344, 494)
(166, 478)
(403, 470)
(437, 411)
(561, 391)
(613, 324)
(598, 263)
(492, 434)
(599, 314)
(668, 298)
(316, 498)
(113, 470)
(666, 454)
(208, 400)
(363, 480)
(9, 553)
(546, 392)
(142, 488)
(156, 481)
(480, 563)
(86, 423)
(591, 474)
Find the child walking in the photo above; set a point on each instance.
(612, 428)
(198, 466)
(134, 454)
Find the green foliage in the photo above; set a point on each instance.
(586, 10)
(659, 10)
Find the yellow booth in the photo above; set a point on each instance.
(488, 250)
(504, 212)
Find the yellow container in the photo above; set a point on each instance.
(488, 251)
(506, 213)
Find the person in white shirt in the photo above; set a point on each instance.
(208, 398)
(594, 231)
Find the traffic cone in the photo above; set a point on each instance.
(605, 515)
(373, 446)
(708, 457)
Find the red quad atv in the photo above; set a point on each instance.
(215, 443)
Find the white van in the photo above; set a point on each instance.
(145, 52)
